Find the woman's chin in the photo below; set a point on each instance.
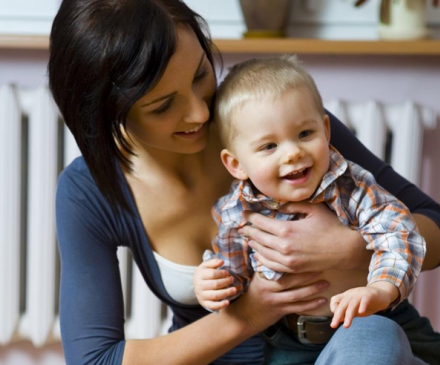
(191, 146)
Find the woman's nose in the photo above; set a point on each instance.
(198, 110)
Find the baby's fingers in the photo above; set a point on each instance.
(212, 264)
(339, 313)
(211, 274)
(364, 305)
(351, 312)
(334, 302)
(218, 295)
(215, 306)
(216, 284)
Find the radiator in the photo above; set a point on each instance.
(34, 148)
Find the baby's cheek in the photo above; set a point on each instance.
(265, 182)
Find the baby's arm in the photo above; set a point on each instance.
(362, 302)
(389, 229)
(212, 286)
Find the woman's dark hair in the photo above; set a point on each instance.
(105, 55)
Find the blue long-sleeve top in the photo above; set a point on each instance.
(89, 232)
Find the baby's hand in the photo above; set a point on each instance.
(362, 302)
(212, 286)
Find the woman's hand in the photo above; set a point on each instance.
(266, 301)
(319, 241)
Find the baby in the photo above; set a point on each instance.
(276, 136)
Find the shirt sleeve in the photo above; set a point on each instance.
(389, 229)
(91, 301)
(352, 149)
(233, 249)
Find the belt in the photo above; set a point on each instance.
(309, 329)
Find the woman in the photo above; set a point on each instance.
(134, 82)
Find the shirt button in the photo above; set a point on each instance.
(274, 205)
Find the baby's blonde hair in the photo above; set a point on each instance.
(258, 79)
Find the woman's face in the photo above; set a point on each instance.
(173, 116)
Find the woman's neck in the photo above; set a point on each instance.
(151, 165)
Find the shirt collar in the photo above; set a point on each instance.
(248, 194)
(337, 167)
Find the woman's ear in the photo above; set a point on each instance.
(327, 127)
(233, 165)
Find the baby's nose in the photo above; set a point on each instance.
(293, 154)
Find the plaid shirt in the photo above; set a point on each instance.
(359, 202)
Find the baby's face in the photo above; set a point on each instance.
(282, 144)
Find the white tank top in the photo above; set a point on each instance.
(177, 279)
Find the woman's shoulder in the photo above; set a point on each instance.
(77, 179)
(76, 168)
(80, 204)
(78, 190)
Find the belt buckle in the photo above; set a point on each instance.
(302, 329)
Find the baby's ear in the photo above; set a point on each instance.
(233, 165)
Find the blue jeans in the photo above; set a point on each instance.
(378, 339)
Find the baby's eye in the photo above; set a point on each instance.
(305, 134)
(269, 146)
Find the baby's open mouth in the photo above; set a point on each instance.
(294, 175)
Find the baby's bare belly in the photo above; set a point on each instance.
(340, 281)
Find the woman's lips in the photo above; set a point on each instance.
(191, 135)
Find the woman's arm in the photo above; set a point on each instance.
(431, 233)
(425, 210)
(203, 341)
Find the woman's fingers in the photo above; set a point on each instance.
(259, 235)
(274, 227)
(273, 265)
(275, 253)
(294, 281)
(298, 245)
(303, 293)
(263, 223)
(303, 208)
(271, 259)
(304, 306)
(278, 298)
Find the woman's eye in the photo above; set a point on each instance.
(269, 146)
(201, 75)
(164, 107)
(305, 134)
